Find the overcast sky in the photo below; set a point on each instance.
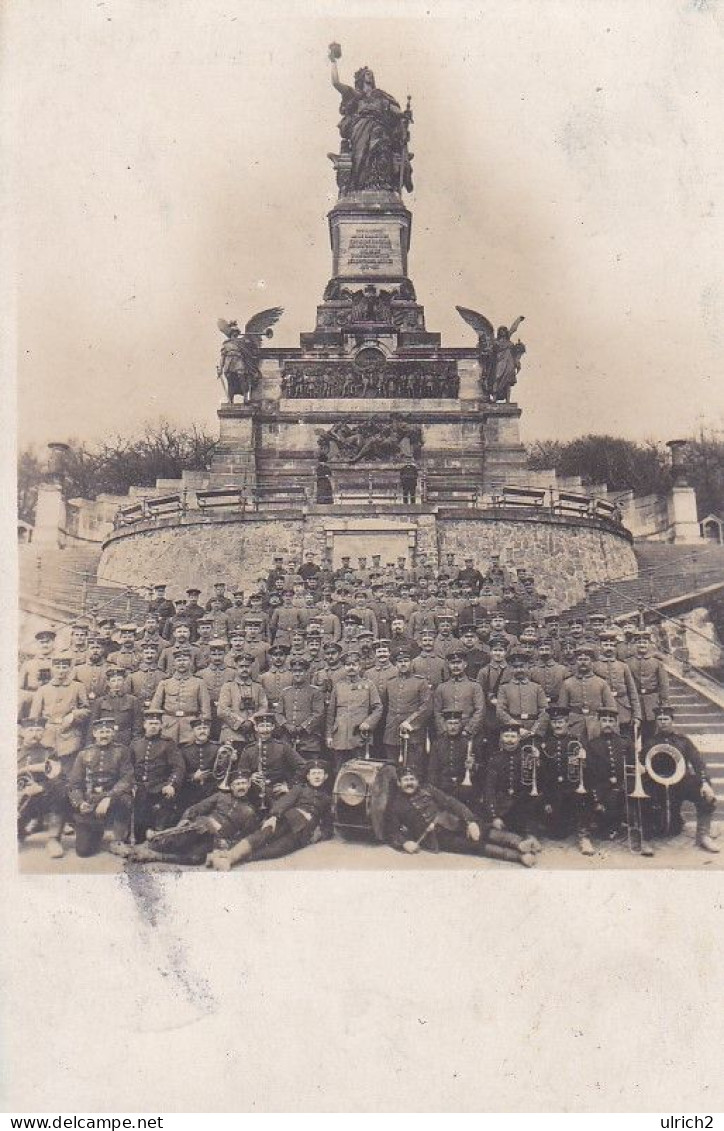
(171, 168)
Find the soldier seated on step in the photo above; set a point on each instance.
(688, 780)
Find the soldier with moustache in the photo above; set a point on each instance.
(407, 700)
(300, 714)
(619, 678)
(35, 671)
(100, 787)
(125, 708)
(585, 693)
(564, 810)
(520, 700)
(92, 674)
(508, 800)
(695, 785)
(610, 776)
(459, 693)
(199, 757)
(215, 675)
(181, 697)
(433, 668)
(240, 699)
(277, 676)
(451, 756)
(353, 712)
(547, 672)
(43, 796)
(159, 772)
(63, 703)
(273, 762)
(652, 683)
(161, 606)
(125, 656)
(181, 639)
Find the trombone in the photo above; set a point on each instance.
(634, 817)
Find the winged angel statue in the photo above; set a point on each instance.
(499, 357)
(238, 369)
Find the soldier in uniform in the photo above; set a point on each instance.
(240, 698)
(125, 708)
(475, 656)
(63, 703)
(159, 771)
(143, 682)
(199, 758)
(610, 774)
(125, 657)
(451, 758)
(399, 638)
(36, 671)
(219, 594)
(695, 785)
(181, 698)
(383, 670)
(215, 675)
(194, 612)
(43, 797)
(618, 676)
(408, 709)
(273, 763)
(181, 639)
(433, 668)
(277, 677)
(508, 797)
(425, 817)
(520, 700)
(354, 711)
(92, 674)
(285, 618)
(459, 693)
(296, 818)
(565, 811)
(652, 683)
(100, 787)
(584, 693)
(210, 825)
(301, 711)
(547, 672)
(161, 606)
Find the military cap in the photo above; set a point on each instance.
(180, 601)
(241, 773)
(365, 632)
(404, 652)
(205, 620)
(181, 650)
(45, 634)
(240, 593)
(41, 722)
(279, 650)
(298, 664)
(199, 721)
(112, 671)
(128, 626)
(576, 621)
(81, 622)
(253, 618)
(351, 654)
(314, 630)
(551, 618)
(106, 621)
(219, 585)
(517, 657)
(554, 711)
(456, 654)
(243, 658)
(62, 658)
(316, 764)
(263, 717)
(496, 615)
(150, 713)
(664, 709)
(468, 629)
(383, 642)
(192, 591)
(104, 721)
(510, 726)
(597, 618)
(144, 645)
(407, 772)
(452, 713)
(643, 634)
(608, 634)
(445, 614)
(586, 650)
(603, 712)
(498, 642)
(278, 558)
(353, 618)
(217, 642)
(237, 634)
(160, 585)
(331, 646)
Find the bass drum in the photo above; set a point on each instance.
(361, 796)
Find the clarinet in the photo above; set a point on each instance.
(263, 804)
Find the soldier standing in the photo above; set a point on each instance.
(354, 710)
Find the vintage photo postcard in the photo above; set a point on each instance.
(370, 476)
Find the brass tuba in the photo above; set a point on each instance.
(33, 775)
(678, 770)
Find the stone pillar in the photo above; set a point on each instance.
(681, 501)
(370, 236)
(504, 457)
(49, 516)
(234, 458)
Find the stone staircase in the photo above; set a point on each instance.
(59, 585)
(703, 721)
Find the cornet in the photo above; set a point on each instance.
(467, 782)
(224, 762)
(576, 759)
(528, 768)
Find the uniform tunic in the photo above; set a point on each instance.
(302, 710)
(54, 701)
(619, 678)
(236, 705)
(127, 710)
(522, 701)
(351, 704)
(652, 684)
(585, 696)
(550, 676)
(433, 668)
(99, 772)
(93, 678)
(181, 698)
(409, 699)
(274, 682)
(459, 694)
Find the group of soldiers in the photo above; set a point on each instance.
(380, 382)
(214, 731)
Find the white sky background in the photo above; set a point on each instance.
(171, 168)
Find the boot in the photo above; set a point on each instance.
(53, 847)
(495, 852)
(703, 833)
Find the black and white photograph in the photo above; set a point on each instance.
(370, 445)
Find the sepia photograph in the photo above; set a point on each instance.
(381, 592)
(364, 661)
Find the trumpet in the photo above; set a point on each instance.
(530, 756)
(224, 762)
(576, 758)
(467, 782)
(678, 770)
